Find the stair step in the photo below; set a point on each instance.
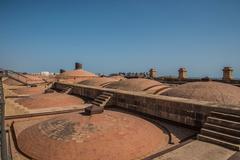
(96, 103)
(223, 122)
(102, 98)
(99, 100)
(221, 136)
(227, 116)
(222, 129)
(219, 142)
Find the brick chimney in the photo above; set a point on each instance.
(153, 73)
(62, 70)
(227, 74)
(78, 66)
(182, 73)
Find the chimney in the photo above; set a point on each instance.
(227, 74)
(78, 66)
(62, 70)
(182, 73)
(153, 73)
(206, 79)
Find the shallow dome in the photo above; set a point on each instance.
(98, 82)
(118, 77)
(110, 135)
(139, 84)
(207, 91)
(76, 73)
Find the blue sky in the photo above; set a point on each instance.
(126, 35)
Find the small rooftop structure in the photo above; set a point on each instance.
(153, 73)
(182, 73)
(227, 73)
(78, 66)
(61, 71)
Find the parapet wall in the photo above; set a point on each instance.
(185, 111)
(177, 81)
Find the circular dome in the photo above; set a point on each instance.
(50, 100)
(207, 91)
(139, 84)
(76, 73)
(110, 135)
(118, 77)
(99, 81)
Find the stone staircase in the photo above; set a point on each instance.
(102, 99)
(98, 104)
(222, 129)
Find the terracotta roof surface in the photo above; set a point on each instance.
(207, 91)
(50, 100)
(99, 81)
(33, 77)
(138, 84)
(118, 77)
(110, 135)
(30, 90)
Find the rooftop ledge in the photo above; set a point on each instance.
(194, 103)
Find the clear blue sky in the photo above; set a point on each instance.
(121, 35)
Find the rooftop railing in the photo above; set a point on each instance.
(3, 140)
(17, 76)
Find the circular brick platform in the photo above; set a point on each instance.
(110, 135)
